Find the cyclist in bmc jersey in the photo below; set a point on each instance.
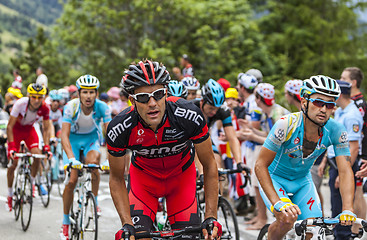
(163, 134)
(26, 111)
(292, 146)
(81, 133)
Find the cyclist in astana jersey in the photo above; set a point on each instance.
(163, 134)
(56, 112)
(80, 132)
(213, 109)
(26, 111)
(294, 143)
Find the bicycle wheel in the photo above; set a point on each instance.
(89, 219)
(26, 202)
(16, 195)
(44, 179)
(263, 234)
(3, 157)
(61, 175)
(228, 219)
(75, 218)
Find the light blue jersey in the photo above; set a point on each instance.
(80, 137)
(290, 171)
(286, 139)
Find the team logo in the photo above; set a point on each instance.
(135, 219)
(279, 135)
(361, 111)
(355, 127)
(296, 141)
(139, 140)
(343, 137)
(311, 201)
(140, 132)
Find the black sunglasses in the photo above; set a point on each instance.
(144, 97)
(320, 103)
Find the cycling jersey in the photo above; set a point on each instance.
(169, 150)
(223, 114)
(72, 113)
(188, 71)
(286, 139)
(26, 117)
(56, 118)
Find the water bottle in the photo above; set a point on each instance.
(162, 222)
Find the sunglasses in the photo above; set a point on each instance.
(145, 97)
(36, 97)
(320, 103)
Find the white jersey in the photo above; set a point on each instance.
(27, 117)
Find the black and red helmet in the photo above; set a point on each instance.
(145, 73)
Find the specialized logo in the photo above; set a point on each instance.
(311, 201)
(161, 151)
(189, 114)
(355, 127)
(282, 191)
(118, 129)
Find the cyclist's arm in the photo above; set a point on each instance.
(105, 125)
(234, 144)
(47, 131)
(347, 180)
(9, 128)
(118, 188)
(354, 151)
(65, 142)
(206, 156)
(264, 160)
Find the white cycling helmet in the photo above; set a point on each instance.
(256, 73)
(191, 83)
(247, 80)
(87, 82)
(321, 84)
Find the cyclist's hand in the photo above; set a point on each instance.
(347, 217)
(11, 150)
(105, 166)
(286, 206)
(127, 231)
(75, 163)
(212, 229)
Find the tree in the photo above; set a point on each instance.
(106, 36)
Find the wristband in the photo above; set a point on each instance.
(281, 205)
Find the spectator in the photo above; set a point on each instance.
(187, 70)
(224, 83)
(73, 92)
(256, 73)
(41, 77)
(17, 83)
(115, 104)
(104, 97)
(291, 92)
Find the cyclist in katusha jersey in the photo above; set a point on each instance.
(26, 111)
(80, 132)
(163, 134)
(213, 109)
(289, 151)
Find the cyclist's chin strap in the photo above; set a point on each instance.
(305, 111)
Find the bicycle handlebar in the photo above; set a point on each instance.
(300, 225)
(28, 154)
(167, 234)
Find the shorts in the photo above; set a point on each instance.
(28, 134)
(85, 142)
(304, 195)
(179, 191)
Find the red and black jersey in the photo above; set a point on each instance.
(361, 104)
(165, 152)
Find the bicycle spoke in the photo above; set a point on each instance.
(26, 203)
(89, 222)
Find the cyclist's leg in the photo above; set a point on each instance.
(181, 199)
(32, 143)
(92, 154)
(307, 199)
(18, 137)
(144, 191)
(278, 229)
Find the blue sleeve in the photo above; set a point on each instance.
(68, 114)
(354, 128)
(339, 139)
(277, 135)
(106, 112)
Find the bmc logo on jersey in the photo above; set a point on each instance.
(161, 151)
(118, 129)
(188, 114)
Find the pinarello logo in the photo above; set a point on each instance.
(296, 141)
